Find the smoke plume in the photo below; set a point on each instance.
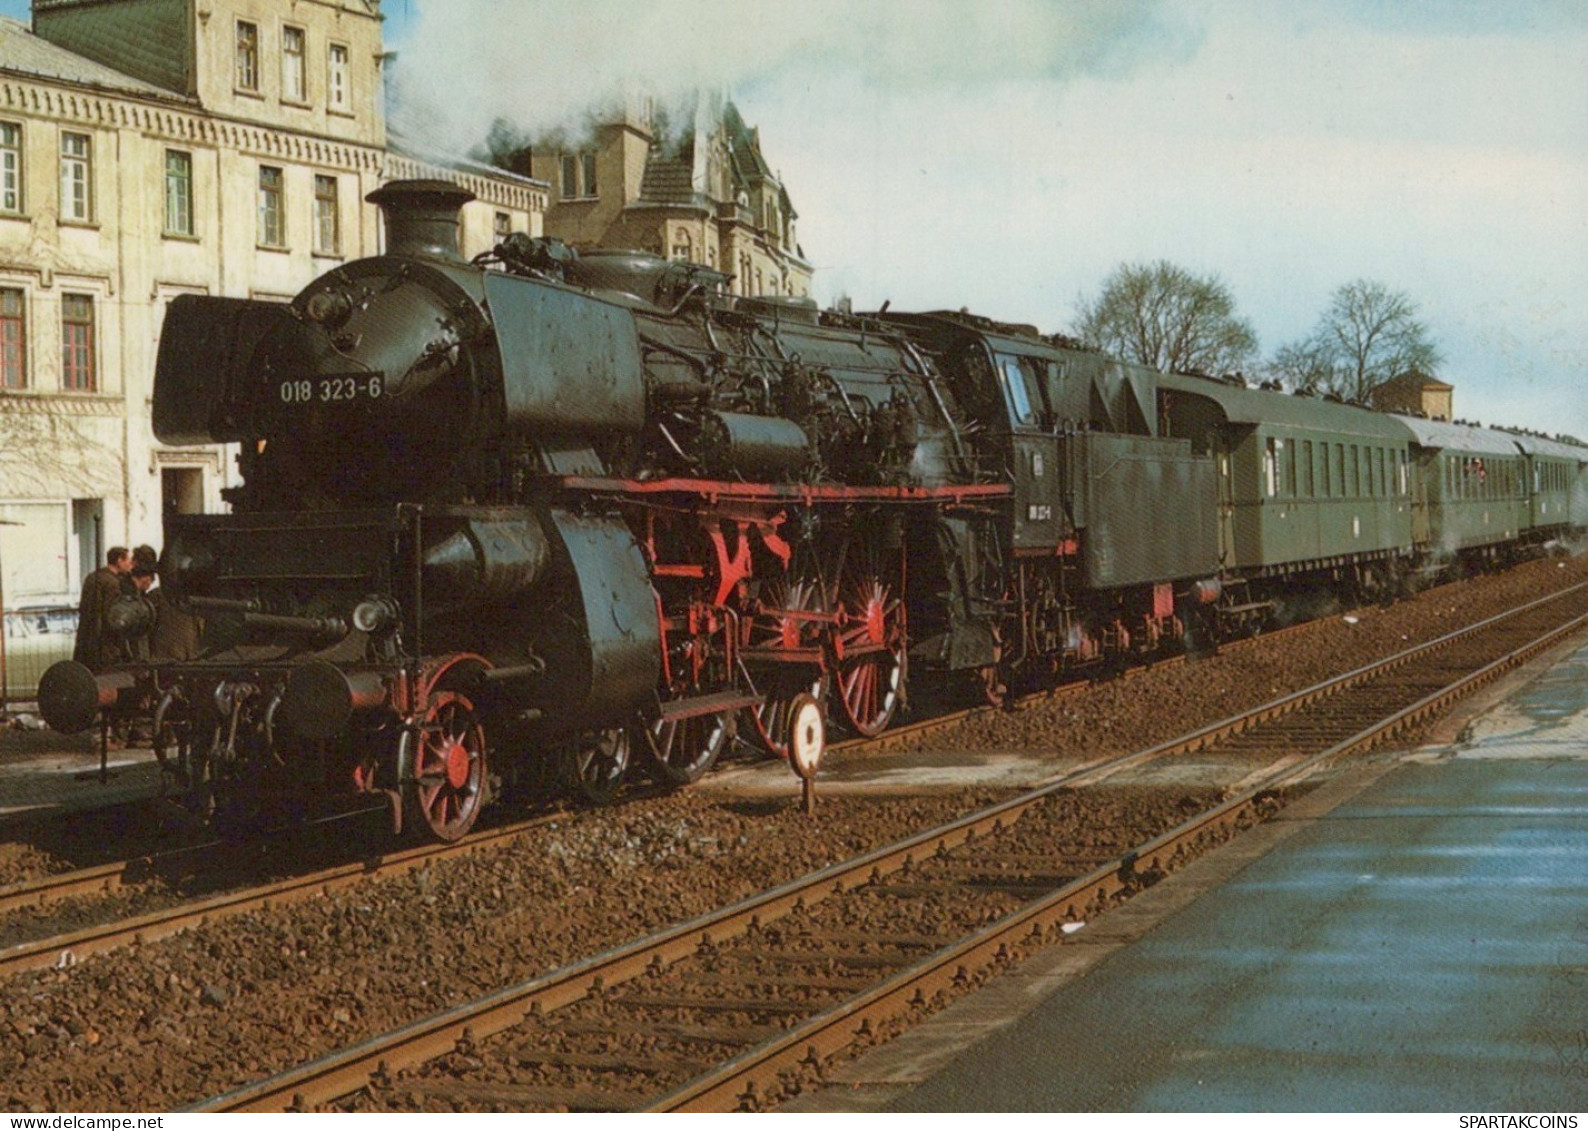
(544, 65)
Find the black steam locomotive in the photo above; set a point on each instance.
(549, 512)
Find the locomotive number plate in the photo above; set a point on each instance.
(330, 390)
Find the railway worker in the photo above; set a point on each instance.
(177, 632)
(145, 565)
(101, 589)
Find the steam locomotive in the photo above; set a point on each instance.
(548, 513)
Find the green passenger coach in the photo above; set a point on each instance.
(1304, 483)
(1470, 490)
(1557, 476)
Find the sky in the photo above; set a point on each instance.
(1005, 155)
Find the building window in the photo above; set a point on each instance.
(292, 73)
(341, 94)
(327, 217)
(77, 198)
(271, 210)
(588, 161)
(681, 246)
(178, 193)
(77, 343)
(10, 167)
(247, 56)
(502, 227)
(13, 339)
(570, 176)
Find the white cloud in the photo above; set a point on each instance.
(1006, 156)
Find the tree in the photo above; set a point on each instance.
(1161, 315)
(1367, 335)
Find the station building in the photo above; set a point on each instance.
(151, 148)
(690, 184)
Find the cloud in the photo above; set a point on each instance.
(542, 64)
(1007, 156)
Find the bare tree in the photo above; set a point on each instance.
(1302, 365)
(1162, 315)
(1368, 335)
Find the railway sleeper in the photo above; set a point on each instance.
(916, 942)
(712, 1005)
(738, 1035)
(781, 982)
(600, 1062)
(979, 885)
(821, 958)
(521, 1096)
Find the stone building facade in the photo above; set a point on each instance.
(1416, 394)
(151, 148)
(698, 190)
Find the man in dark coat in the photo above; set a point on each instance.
(101, 589)
(136, 645)
(177, 634)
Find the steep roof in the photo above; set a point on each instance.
(669, 179)
(22, 52)
(1414, 381)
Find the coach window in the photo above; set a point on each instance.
(1271, 468)
(1305, 487)
(1292, 484)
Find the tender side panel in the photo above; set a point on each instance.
(1148, 509)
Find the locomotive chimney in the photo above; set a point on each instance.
(422, 217)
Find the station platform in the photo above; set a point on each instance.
(42, 773)
(1411, 936)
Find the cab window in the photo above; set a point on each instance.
(1022, 378)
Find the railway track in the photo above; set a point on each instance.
(723, 1011)
(67, 949)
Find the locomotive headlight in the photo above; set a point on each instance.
(373, 614)
(330, 309)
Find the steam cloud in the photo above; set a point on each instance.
(544, 65)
